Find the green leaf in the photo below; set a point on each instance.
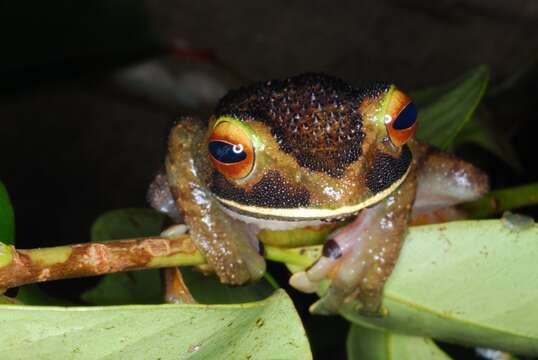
(127, 223)
(144, 287)
(480, 131)
(7, 233)
(269, 329)
(7, 218)
(468, 282)
(365, 343)
(137, 287)
(208, 290)
(29, 294)
(6, 300)
(444, 110)
(140, 287)
(33, 295)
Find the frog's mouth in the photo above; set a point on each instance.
(306, 214)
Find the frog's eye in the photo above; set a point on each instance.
(231, 150)
(401, 120)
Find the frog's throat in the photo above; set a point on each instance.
(303, 213)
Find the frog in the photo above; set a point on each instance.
(309, 151)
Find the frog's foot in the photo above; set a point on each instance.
(358, 258)
(356, 264)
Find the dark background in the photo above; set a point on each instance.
(88, 90)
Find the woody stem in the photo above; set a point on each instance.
(19, 267)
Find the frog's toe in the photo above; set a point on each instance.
(328, 266)
(329, 303)
(301, 282)
(175, 231)
(309, 281)
(359, 299)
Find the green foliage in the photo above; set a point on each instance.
(269, 329)
(33, 295)
(445, 110)
(7, 233)
(440, 264)
(480, 131)
(469, 282)
(127, 223)
(7, 218)
(140, 287)
(144, 287)
(448, 117)
(30, 294)
(367, 343)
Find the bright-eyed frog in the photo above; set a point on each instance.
(302, 152)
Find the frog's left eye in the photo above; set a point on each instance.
(231, 150)
(401, 119)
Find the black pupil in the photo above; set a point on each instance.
(407, 117)
(225, 152)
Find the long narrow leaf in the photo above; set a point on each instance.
(445, 110)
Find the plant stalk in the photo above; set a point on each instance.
(498, 201)
(19, 267)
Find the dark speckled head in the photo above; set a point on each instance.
(320, 147)
(315, 118)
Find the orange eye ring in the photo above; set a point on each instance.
(231, 150)
(401, 118)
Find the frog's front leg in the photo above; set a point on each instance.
(362, 254)
(229, 248)
(359, 257)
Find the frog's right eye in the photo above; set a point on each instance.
(231, 150)
(401, 118)
(227, 153)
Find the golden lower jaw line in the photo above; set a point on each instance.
(298, 214)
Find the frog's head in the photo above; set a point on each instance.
(308, 148)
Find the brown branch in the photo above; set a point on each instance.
(19, 267)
